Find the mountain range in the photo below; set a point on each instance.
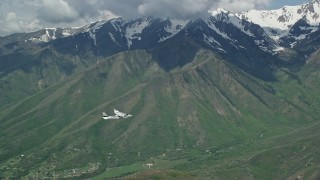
(227, 96)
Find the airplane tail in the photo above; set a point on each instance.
(104, 114)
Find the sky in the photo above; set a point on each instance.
(31, 15)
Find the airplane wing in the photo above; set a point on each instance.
(118, 113)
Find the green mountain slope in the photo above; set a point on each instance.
(180, 116)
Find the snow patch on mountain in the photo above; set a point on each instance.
(210, 40)
(113, 39)
(299, 37)
(277, 23)
(117, 24)
(46, 37)
(262, 45)
(213, 43)
(223, 15)
(93, 28)
(66, 32)
(278, 49)
(212, 26)
(50, 34)
(261, 39)
(133, 31)
(97, 25)
(174, 27)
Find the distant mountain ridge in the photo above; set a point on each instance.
(272, 31)
(276, 23)
(220, 97)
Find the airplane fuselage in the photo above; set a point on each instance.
(110, 117)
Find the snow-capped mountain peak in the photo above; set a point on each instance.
(172, 28)
(285, 17)
(277, 23)
(134, 29)
(268, 30)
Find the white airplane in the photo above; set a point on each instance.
(117, 115)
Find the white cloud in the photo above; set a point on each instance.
(57, 11)
(242, 5)
(31, 15)
(106, 15)
(175, 9)
(195, 8)
(11, 16)
(12, 24)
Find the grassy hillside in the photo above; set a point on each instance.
(207, 117)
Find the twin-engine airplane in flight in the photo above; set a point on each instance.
(117, 115)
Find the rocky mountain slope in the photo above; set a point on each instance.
(212, 97)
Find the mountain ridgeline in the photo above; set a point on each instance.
(222, 97)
